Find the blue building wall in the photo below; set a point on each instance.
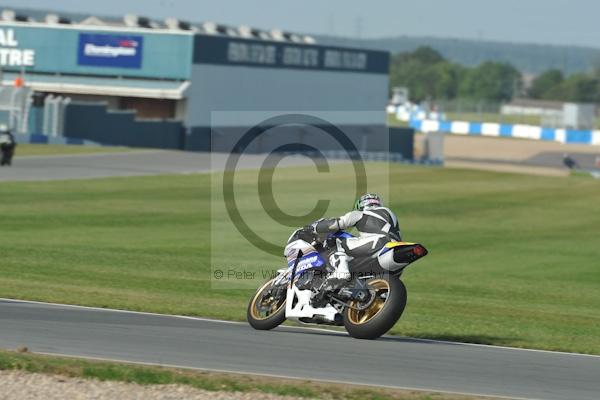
(227, 74)
(163, 55)
(93, 122)
(238, 82)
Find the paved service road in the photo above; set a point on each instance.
(298, 352)
(545, 159)
(135, 163)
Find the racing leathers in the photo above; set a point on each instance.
(376, 227)
(7, 147)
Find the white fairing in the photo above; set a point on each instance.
(291, 250)
(386, 260)
(5, 139)
(301, 298)
(302, 308)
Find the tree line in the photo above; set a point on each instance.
(554, 85)
(429, 76)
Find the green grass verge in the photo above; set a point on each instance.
(478, 117)
(393, 121)
(27, 149)
(484, 117)
(513, 258)
(581, 174)
(151, 375)
(494, 117)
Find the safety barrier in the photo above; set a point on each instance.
(571, 136)
(370, 139)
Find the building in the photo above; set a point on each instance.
(130, 79)
(555, 114)
(541, 108)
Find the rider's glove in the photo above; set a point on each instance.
(310, 228)
(308, 234)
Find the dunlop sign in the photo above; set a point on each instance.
(10, 53)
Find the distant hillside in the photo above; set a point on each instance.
(532, 58)
(529, 58)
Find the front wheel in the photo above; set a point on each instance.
(376, 316)
(265, 311)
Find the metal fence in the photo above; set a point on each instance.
(18, 113)
(481, 111)
(54, 115)
(15, 105)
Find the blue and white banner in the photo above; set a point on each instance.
(423, 121)
(102, 50)
(571, 136)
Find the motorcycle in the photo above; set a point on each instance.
(367, 305)
(7, 149)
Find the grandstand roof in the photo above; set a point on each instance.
(135, 22)
(106, 86)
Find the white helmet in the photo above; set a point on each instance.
(368, 200)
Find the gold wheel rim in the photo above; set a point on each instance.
(274, 307)
(359, 317)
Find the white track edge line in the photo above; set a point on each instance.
(293, 327)
(285, 376)
(122, 311)
(78, 155)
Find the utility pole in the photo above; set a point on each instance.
(331, 24)
(359, 26)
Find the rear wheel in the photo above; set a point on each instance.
(265, 311)
(376, 316)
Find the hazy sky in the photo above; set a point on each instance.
(571, 22)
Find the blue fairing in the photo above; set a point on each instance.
(308, 261)
(342, 235)
(385, 250)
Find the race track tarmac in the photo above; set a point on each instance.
(298, 352)
(135, 163)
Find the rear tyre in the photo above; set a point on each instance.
(266, 312)
(375, 319)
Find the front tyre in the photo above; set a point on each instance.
(266, 312)
(374, 318)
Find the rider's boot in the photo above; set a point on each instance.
(341, 275)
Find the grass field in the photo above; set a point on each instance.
(393, 121)
(27, 149)
(514, 259)
(211, 381)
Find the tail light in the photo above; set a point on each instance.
(409, 254)
(419, 250)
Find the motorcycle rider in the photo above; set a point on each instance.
(7, 145)
(376, 225)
